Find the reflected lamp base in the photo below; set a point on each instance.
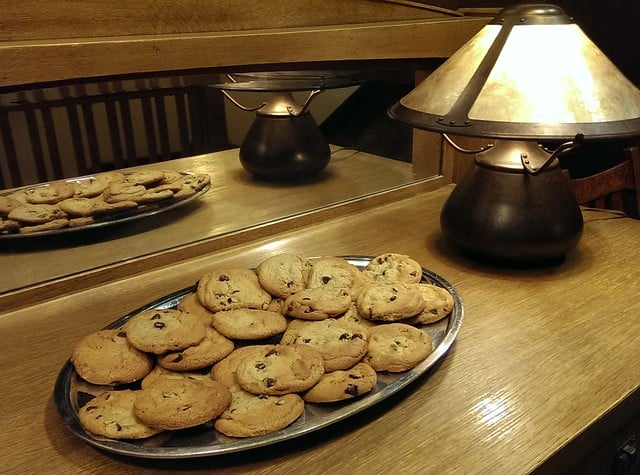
(281, 148)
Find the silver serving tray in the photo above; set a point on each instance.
(71, 392)
(142, 211)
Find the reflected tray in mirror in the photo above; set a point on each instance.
(71, 393)
(20, 219)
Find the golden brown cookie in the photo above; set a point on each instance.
(123, 191)
(439, 304)
(153, 195)
(225, 370)
(250, 415)
(20, 196)
(48, 226)
(81, 221)
(249, 323)
(172, 180)
(111, 414)
(343, 384)
(94, 206)
(390, 302)
(396, 347)
(106, 357)
(394, 268)
(30, 214)
(191, 305)
(50, 193)
(161, 331)
(180, 403)
(158, 372)
(276, 305)
(7, 203)
(284, 274)
(336, 272)
(281, 370)
(211, 349)
(353, 316)
(146, 177)
(192, 184)
(318, 303)
(341, 343)
(231, 288)
(89, 187)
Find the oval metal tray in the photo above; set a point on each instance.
(71, 392)
(140, 212)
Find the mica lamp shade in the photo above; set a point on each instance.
(530, 76)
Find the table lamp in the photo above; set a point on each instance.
(284, 143)
(534, 84)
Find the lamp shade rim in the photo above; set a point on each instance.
(619, 129)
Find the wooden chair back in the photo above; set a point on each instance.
(80, 132)
(616, 188)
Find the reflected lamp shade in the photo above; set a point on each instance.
(530, 76)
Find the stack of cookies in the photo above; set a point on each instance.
(84, 201)
(248, 349)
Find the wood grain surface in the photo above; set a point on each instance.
(236, 208)
(536, 380)
(65, 40)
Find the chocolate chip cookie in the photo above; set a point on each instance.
(231, 288)
(343, 384)
(341, 343)
(180, 403)
(397, 347)
(106, 357)
(280, 370)
(250, 415)
(284, 274)
(162, 331)
(111, 414)
(318, 303)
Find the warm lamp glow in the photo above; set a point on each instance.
(530, 76)
(526, 80)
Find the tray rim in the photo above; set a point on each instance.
(69, 416)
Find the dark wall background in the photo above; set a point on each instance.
(614, 26)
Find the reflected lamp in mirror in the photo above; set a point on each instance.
(284, 143)
(530, 77)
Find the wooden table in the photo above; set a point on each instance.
(542, 375)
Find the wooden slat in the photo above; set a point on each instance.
(633, 155)
(616, 188)
(52, 143)
(15, 177)
(163, 127)
(114, 133)
(149, 128)
(35, 142)
(182, 119)
(127, 130)
(76, 138)
(92, 138)
(601, 184)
